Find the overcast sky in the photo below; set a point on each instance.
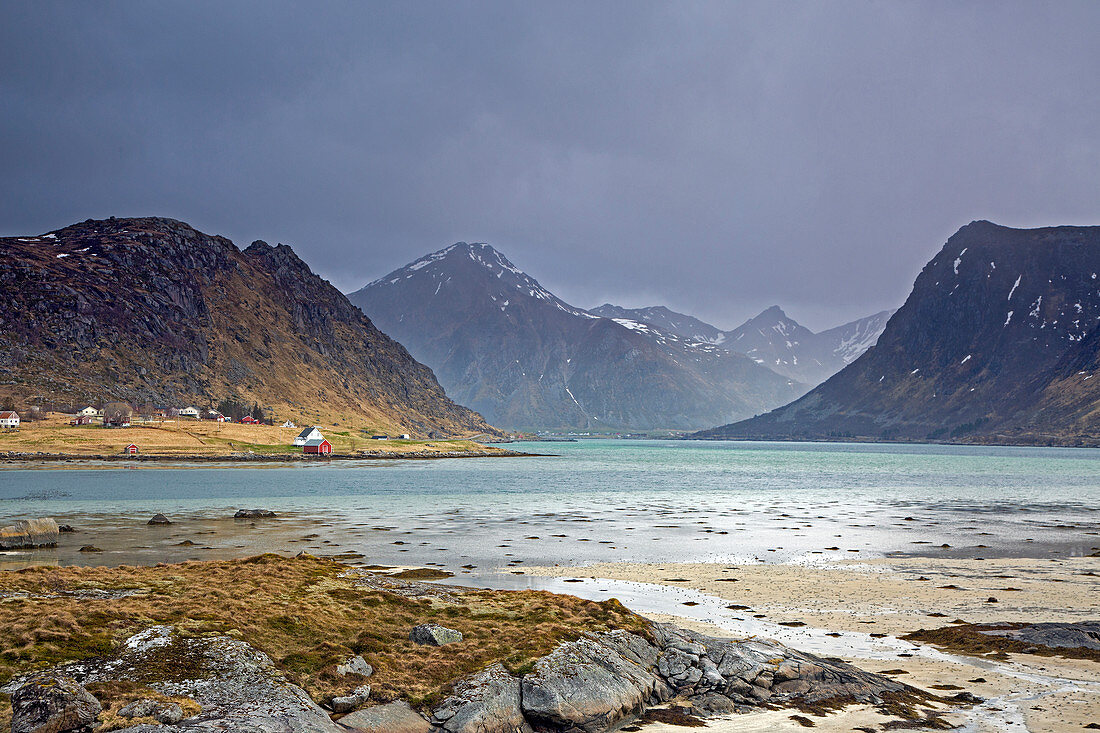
(715, 157)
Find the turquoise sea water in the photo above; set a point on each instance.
(612, 500)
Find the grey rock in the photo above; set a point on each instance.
(29, 533)
(593, 683)
(139, 709)
(159, 519)
(1080, 635)
(168, 714)
(434, 635)
(393, 717)
(355, 665)
(347, 703)
(50, 703)
(488, 702)
(254, 514)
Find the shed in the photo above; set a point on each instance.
(130, 450)
(318, 446)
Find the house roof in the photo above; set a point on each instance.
(306, 431)
(6, 414)
(316, 441)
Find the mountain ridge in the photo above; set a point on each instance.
(151, 309)
(996, 343)
(514, 351)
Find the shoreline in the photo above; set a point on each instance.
(18, 457)
(862, 612)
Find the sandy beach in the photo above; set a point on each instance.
(859, 610)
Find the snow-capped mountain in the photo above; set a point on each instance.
(999, 341)
(666, 319)
(772, 339)
(500, 342)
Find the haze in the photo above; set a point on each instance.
(713, 157)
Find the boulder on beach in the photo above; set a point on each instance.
(159, 519)
(28, 533)
(254, 514)
(434, 635)
(90, 548)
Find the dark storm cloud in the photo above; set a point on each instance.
(717, 157)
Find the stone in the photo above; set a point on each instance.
(347, 703)
(142, 708)
(593, 683)
(28, 533)
(393, 717)
(90, 548)
(355, 665)
(1080, 635)
(159, 519)
(66, 529)
(488, 702)
(434, 635)
(254, 514)
(168, 714)
(50, 703)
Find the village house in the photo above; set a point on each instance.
(130, 450)
(318, 446)
(403, 436)
(249, 420)
(307, 434)
(82, 420)
(89, 411)
(288, 424)
(214, 415)
(189, 412)
(9, 420)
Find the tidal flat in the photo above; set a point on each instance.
(839, 550)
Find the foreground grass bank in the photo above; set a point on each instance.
(307, 613)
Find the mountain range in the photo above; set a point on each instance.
(506, 346)
(772, 339)
(152, 310)
(999, 341)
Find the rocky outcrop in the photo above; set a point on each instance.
(489, 702)
(52, 703)
(1080, 635)
(28, 533)
(591, 685)
(254, 514)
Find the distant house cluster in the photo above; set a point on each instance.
(120, 414)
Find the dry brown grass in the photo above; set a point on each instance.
(308, 614)
(181, 438)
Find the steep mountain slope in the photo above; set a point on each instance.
(506, 346)
(153, 310)
(772, 339)
(998, 341)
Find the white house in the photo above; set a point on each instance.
(190, 412)
(90, 411)
(403, 436)
(288, 424)
(9, 420)
(307, 435)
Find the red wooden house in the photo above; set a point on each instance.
(319, 446)
(131, 450)
(249, 420)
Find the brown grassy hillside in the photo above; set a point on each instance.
(151, 310)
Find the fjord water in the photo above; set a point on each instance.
(593, 500)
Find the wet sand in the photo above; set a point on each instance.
(858, 611)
